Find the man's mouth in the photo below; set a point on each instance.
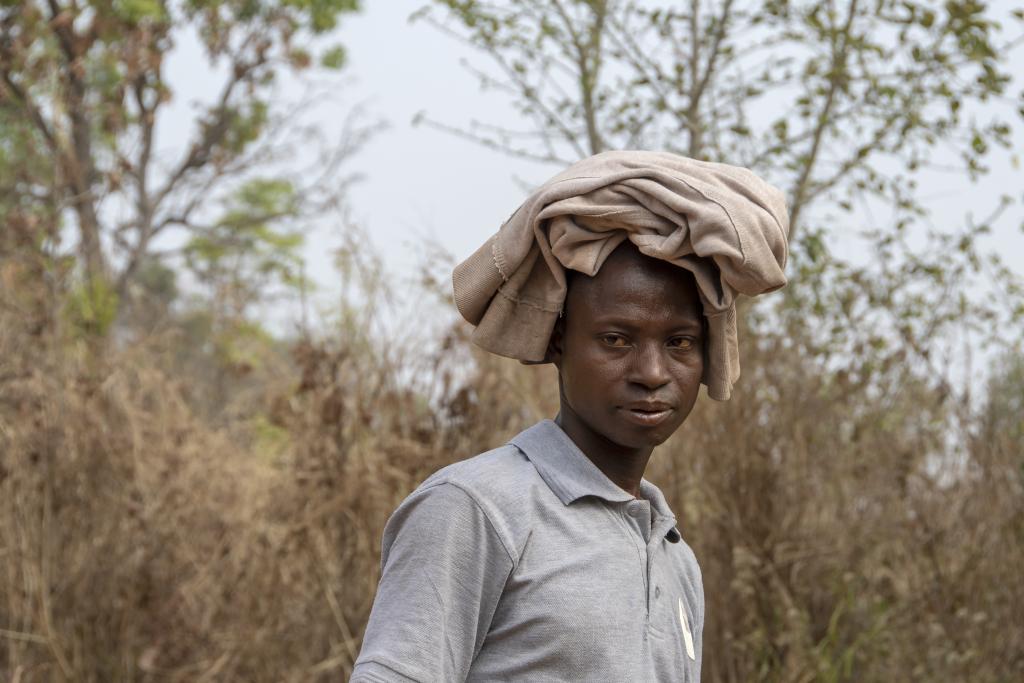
(648, 414)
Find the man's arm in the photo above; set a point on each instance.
(444, 568)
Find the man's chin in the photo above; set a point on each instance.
(637, 438)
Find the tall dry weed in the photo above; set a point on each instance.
(847, 529)
(851, 531)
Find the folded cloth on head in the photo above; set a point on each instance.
(723, 223)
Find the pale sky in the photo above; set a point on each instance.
(420, 182)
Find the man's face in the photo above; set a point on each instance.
(629, 350)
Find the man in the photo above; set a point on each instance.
(551, 558)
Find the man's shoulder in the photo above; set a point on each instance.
(501, 482)
(490, 472)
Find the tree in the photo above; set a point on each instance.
(845, 106)
(83, 92)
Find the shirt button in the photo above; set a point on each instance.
(657, 591)
(633, 509)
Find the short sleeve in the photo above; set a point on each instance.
(444, 567)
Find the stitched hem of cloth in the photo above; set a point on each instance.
(374, 678)
(495, 259)
(530, 303)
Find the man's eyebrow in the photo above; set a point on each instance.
(681, 324)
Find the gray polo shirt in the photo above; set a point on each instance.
(526, 563)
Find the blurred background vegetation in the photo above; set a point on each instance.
(187, 493)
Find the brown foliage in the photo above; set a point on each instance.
(842, 536)
(846, 531)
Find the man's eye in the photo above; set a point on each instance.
(684, 343)
(615, 340)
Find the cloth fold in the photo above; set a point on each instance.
(723, 223)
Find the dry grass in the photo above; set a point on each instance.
(142, 538)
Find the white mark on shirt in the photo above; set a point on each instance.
(687, 636)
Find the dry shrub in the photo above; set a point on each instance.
(847, 529)
(850, 530)
(127, 523)
(148, 536)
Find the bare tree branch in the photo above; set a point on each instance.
(214, 131)
(588, 63)
(837, 75)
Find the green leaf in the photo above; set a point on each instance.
(333, 58)
(92, 307)
(135, 11)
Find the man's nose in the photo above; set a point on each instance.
(650, 366)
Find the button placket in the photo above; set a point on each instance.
(655, 554)
(641, 512)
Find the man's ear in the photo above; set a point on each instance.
(556, 342)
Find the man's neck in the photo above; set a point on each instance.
(624, 466)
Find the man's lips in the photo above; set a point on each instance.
(648, 413)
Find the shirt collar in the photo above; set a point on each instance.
(663, 517)
(564, 467)
(571, 475)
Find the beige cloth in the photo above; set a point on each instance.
(722, 223)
